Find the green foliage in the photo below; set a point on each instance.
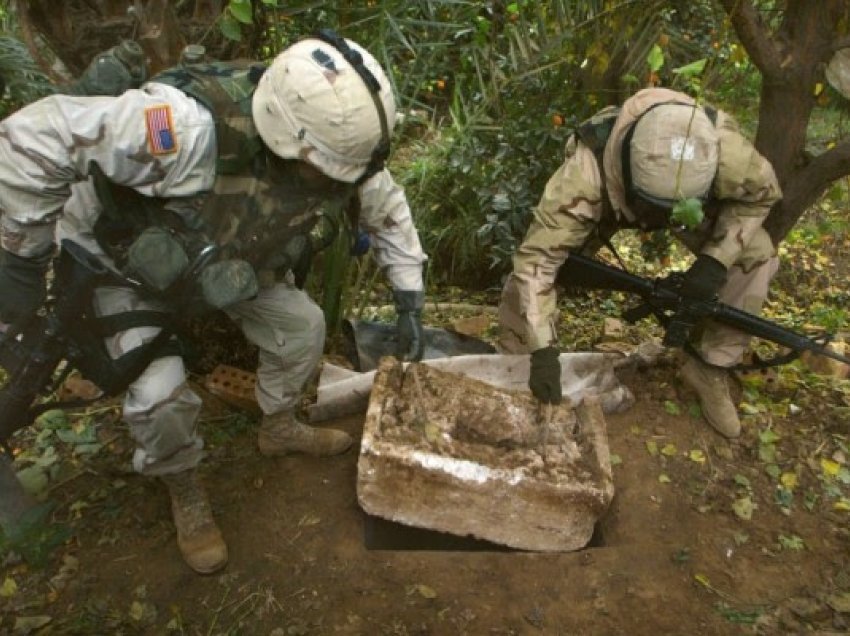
(24, 81)
(687, 213)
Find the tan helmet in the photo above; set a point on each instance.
(673, 154)
(327, 101)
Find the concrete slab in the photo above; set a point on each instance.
(450, 453)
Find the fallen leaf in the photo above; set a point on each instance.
(842, 505)
(697, 456)
(425, 591)
(703, 580)
(839, 602)
(789, 480)
(829, 467)
(28, 624)
(743, 507)
(664, 479)
(651, 448)
(33, 479)
(669, 450)
(791, 543)
(136, 611)
(9, 587)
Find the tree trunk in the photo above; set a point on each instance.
(791, 61)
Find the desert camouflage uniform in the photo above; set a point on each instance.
(45, 153)
(575, 203)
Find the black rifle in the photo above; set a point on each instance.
(679, 314)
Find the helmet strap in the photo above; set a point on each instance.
(355, 59)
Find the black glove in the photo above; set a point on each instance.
(22, 286)
(411, 335)
(545, 377)
(704, 278)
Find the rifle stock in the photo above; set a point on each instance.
(678, 314)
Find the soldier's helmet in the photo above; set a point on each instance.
(327, 101)
(673, 154)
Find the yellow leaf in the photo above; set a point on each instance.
(669, 450)
(664, 479)
(789, 480)
(818, 88)
(843, 505)
(702, 579)
(9, 587)
(829, 467)
(137, 610)
(425, 591)
(697, 456)
(652, 448)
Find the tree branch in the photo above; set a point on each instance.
(828, 166)
(756, 38)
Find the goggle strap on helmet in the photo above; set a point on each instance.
(382, 150)
(633, 192)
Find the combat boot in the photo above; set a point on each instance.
(198, 536)
(710, 385)
(282, 433)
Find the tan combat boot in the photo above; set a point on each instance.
(198, 536)
(709, 383)
(282, 433)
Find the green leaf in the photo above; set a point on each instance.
(34, 479)
(767, 454)
(692, 69)
(687, 213)
(241, 10)
(230, 28)
(791, 543)
(742, 481)
(52, 419)
(768, 436)
(744, 507)
(672, 408)
(655, 59)
(772, 469)
(270, 3)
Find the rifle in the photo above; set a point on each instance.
(678, 314)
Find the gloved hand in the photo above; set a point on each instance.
(704, 278)
(228, 282)
(22, 285)
(112, 72)
(411, 335)
(545, 377)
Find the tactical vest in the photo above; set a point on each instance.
(251, 213)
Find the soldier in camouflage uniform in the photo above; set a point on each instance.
(210, 178)
(626, 168)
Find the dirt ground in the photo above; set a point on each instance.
(672, 556)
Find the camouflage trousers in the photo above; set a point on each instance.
(161, 409)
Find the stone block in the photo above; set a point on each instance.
(446, 452)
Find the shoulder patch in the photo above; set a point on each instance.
(160, 126)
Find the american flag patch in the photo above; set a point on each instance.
(160, 130)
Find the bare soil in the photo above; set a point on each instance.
(670, 557)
